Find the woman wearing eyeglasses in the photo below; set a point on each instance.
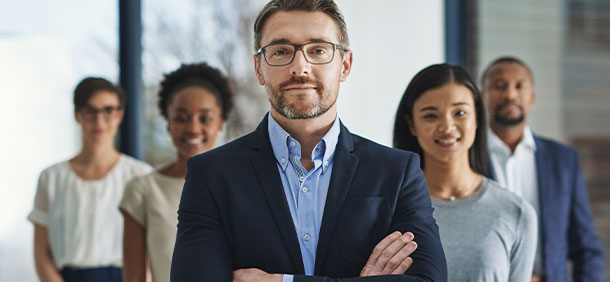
(195, 100)
(487, 232)
(77, 227)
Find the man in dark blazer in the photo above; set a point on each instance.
(544, 172)
(301, 198)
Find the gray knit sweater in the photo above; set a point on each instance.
(488, 236)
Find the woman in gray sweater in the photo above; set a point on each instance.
(488, 233)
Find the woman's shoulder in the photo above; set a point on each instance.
(56, 169)
(134, 165)
(508, 199)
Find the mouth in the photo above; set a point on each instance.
(447, 141)
(509, 106)
(194, 141)
(299, 87)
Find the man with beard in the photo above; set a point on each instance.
(301, 198)
(544, 172)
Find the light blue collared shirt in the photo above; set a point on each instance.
(305, 190)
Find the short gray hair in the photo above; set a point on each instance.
(328, 7)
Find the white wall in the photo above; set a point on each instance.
(392, 40)
(42, 57)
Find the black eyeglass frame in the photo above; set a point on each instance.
(90, 113)
(298, 47)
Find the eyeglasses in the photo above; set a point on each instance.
(317, 53)
(90, 113)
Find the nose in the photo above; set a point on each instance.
(98, 118)
(193, 126)
(446, 125)
(511, 93)
(300, 65)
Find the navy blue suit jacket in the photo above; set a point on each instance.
(565, 218)
(234, 214)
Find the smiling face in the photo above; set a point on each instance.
(509, 94)
(301, 90)
(444, 122)
(194, 120)
(100, 118)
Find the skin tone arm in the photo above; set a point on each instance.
(45, 266)
(390, 256)
(134, 252)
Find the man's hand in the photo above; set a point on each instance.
(255, 275)
(391, 255)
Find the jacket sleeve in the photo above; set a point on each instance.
(585, 249)
(201, 252)
(413, 213)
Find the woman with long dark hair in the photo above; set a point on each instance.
(488, 233)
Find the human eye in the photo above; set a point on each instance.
(519, 85)
(181, 118)
(499, 85)
(205, 119)
(460, 113)
(89, 111)
(280, 50)
(429, 116)
(319, 49)
(108, 111)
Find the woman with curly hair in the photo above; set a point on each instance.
(195, 100)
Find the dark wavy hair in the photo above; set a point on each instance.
(202, 75)
(432, 77)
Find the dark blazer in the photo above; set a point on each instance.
(565, 218)
(234, 214)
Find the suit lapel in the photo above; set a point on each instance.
(344, 169)
(544, 195)
(264, 163)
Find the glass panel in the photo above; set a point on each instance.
(217, 32)
(46, 48)
(567, 44)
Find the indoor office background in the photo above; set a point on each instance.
(46, 47)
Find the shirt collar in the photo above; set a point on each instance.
(280, 138)
(497, 145)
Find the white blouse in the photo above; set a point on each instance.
(85, 227)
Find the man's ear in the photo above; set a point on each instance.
(346, 65)
(257, 69)
(409, 121)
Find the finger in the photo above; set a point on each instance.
(393, 249)
(402, 268)
(397, 260)
(382, 245)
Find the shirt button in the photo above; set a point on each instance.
(301, 178)
(304, 189)
(325, 163)
(283, 160)
(306, 237)
(292, 143)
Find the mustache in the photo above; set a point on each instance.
(508, 103)
(301, 80)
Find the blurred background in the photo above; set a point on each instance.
(46, 47)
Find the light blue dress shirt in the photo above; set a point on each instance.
(305, 190)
